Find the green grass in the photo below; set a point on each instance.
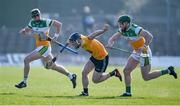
(51, 88)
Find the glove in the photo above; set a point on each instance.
(143, 49)
(55, 36)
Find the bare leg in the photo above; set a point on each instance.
(59, 69)
(55, 67)
(85, 80)
(147, 75)
(29, 58)
(87, 69)
(130, 66)
(100, 77)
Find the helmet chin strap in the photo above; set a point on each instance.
(78, 44)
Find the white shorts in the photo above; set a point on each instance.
(143, 61)
(44, 50)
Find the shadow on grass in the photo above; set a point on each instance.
(117, 97)
(89, 97)
(75, 96)
(8, 93)
(70, 97)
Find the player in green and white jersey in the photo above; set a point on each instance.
(139, 39)
(39, 27)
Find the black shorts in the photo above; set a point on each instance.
(100, 65)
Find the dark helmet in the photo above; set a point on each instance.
(124, 18)
(74, 36)
(35, 12)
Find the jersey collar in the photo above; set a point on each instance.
(129, 26)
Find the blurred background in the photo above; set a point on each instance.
(160, 17)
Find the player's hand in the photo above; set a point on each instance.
(143, 49)
(55, 37)
(25, 31)
(106, 27)
(109, 45)
(22, 31)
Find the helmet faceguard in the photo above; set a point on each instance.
(74, 36)
(74, 40)
(35, 12)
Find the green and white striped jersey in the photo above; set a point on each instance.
(132, 33)
(43, 25)
(40, 31)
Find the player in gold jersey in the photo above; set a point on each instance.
(40, 27)
(99, 58)
(140, 40)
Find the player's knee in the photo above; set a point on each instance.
(84, 73)
(95, 80)
(145, 78)
(126, 71)
(53, 67)
(46, 67)
(26, 60)
(50, 66)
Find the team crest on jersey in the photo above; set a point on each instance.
(41, 25)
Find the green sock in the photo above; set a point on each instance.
(128, 89)
(163, 72)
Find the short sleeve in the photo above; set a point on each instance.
(138, 30)
(30, 25)
(49, 22)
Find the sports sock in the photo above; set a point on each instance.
(85, 90)
(70, 76)
(128, 89)
(25, 79)
(166, 71)
(112, 73)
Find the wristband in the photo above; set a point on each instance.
(56, 35)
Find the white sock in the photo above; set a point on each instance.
(168, 71)
(128, 93)
(25, 79)
(70, 76)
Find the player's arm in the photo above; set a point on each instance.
(25, 30)
(113, 38)
(58, 26)
(147, 35)
(98, 32)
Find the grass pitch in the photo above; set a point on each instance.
(47, 87)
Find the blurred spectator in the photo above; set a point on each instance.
(111, 20)
(4, 30)
(88, 20)
(69, 30)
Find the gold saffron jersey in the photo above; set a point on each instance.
(94, 47)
